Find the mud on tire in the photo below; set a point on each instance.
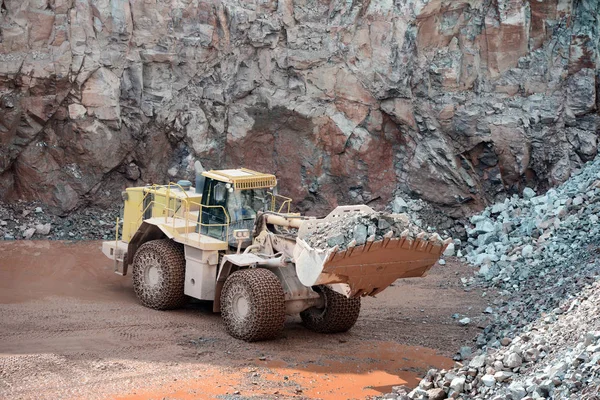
(339, 314)
(253, 305)
(159, 274)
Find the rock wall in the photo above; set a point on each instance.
(456, 102)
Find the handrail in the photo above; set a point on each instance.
(286, 200)
(172, 212)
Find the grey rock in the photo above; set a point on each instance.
(516, 391)
(464, 352)
(512, 360)
(478, 361)
(503, 376)
(449, 252)
(436, 394)
(528, 193)
(527, 251)
(28, 233)
(488, 380)
(485, 226)
(336, 240)
(360, 234)
(399, 205)
(498, 208)
(457, 384)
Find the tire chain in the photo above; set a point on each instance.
(169, 259)
(339, 314)
(266, 301)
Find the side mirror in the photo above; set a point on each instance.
(200, 179)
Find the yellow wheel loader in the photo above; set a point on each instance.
(234, 242)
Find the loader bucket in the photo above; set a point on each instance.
(366, 269)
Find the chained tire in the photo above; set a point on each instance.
(253, 305)
(339, 313)
(159, 274)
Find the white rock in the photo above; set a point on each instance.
(477, 362)
(488, 380)
(512, 360)
(517, 391)
(527, 251)
(28, 233)
(465, 321)
(43, 229)
(458, 384)
(502, 376)
(449, 252)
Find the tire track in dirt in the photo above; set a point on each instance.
(96, 341)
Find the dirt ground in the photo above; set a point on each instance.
(71, 328)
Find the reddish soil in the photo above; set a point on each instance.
(71, 328)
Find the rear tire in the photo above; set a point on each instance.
(338, 315)
(159, 274)
(253, 305)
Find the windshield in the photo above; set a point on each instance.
(244, 204)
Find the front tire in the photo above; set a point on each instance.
(253, 305)
(159, 274)
(338, 315)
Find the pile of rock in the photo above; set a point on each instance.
(557, 357)
(543, 341)
(357, 228)
(21, 220)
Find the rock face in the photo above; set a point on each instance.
(455, 102)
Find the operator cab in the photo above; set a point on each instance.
(233, 197)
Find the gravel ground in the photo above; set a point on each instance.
(71, 328)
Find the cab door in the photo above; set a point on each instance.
(213, 220)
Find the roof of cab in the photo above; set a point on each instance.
(243, 178)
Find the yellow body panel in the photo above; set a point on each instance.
(132, 212)
(142, 203)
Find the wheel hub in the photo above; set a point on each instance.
(241, 307)
(152, 273)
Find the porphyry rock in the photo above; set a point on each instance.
(358, 101)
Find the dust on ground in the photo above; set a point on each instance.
(71, 328)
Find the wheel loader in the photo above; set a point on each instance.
(232, 240)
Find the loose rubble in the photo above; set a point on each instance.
(358, 228)
(542, 339)
(21, 220)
